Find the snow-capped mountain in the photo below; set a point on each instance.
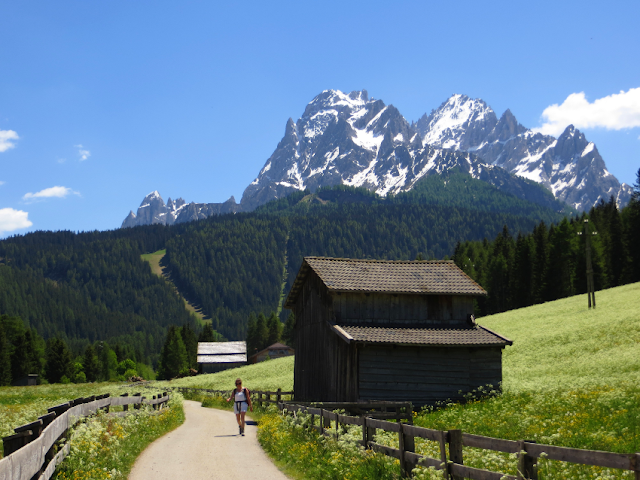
(569, 166)
(354, 140)
(153, 210)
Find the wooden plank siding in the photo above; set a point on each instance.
(401, 310)
(325, 367)
(425, 375)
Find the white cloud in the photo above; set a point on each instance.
(6, 139)
(83, 152)
(2, 183)
(615, 112)
(11, 220)
(52, 192)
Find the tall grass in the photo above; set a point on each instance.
(266, 376)
(102, 446)
(106, 447)
(571, 378)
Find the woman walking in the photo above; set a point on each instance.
(242, 400)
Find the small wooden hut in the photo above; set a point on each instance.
(217, 356)
(389, 330)
(277, 350)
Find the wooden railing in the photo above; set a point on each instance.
(452, 466)
(33, 452)
(258, 396)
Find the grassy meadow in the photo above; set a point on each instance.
(571, 378)
(102, 447)
(265, 376)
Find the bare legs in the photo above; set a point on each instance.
(240, 420)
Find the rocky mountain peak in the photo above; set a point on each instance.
(457, 123)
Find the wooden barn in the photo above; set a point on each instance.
(217, 356)
(389, 330)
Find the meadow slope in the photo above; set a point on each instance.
(562, 344)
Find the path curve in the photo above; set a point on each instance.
(206, 446)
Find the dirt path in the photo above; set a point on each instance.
(206, 446)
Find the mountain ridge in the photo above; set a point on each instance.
(352, 139)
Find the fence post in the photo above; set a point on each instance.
(125, 407)
(259, 399)
(321, 422)
(455, 449)
(443, 455)
(279, 395)
(635, 464)
(370, 432)
(527, 468)
(403, 462)
(137, 406)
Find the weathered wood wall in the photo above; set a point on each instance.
(401, 310)
(425, 375)
(325, 366)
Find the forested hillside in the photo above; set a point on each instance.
(94, 286)
(550, 262)
(90, 286)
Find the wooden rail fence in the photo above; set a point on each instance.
(257, 396)
(452, 466)
(33, 452)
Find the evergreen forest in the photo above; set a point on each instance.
(93, 288)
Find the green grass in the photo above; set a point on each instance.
(105, 447)
(266, 376)
(101, 447)
(571, 378)
(564, 345)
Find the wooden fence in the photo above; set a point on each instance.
(33, 452)
(257, 396)
(452, 466)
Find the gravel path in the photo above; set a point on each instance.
(206, 446)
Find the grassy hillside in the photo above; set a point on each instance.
(563, 344)
(269, 375)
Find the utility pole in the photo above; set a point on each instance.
(591, 294)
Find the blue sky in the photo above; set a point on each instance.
(104, 102)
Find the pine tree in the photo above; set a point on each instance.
(173, 359)
(287, 333)
(274, 329)
(207, 334)
(5, 358)
(253, 342)
(59, 361)
(631, 222)
(262, 334)
(522, 274)
(108, 361)
(91, 364)
(190, 344)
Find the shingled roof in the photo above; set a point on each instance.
(386, 276)
(445, 337)
(222, 352)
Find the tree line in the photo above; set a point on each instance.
(91, 287)
(550, 262)
(24, 352)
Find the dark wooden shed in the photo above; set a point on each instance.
(389, 330)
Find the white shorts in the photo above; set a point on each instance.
(244, 406)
